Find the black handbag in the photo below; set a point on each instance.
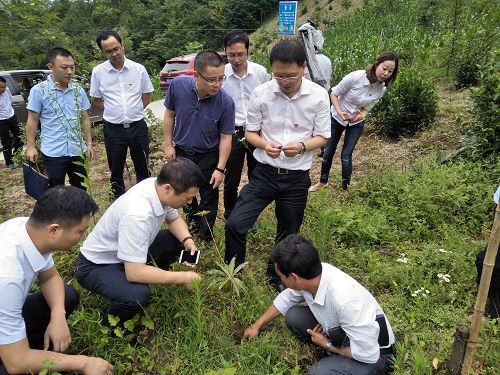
(35, 183)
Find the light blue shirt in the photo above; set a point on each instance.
(20, 262)
(60, 115)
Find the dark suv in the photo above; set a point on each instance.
(20, 83)
(180, 66)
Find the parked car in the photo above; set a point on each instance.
(20, 83)
(179, 66)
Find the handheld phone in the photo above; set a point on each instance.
(187, 257)
(352, 116)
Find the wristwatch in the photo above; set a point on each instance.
(303, 149)
(328, 347)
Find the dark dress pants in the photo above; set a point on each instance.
(352, 135)
(126, 298)
(209, 197)
(234, 167)
(300, 318)
(36, 314)
(8, 126)
(289, 191)
(58, 167)
(117, 140)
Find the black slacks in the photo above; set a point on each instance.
(8, 126)
(288, 191)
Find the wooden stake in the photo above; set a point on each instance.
(482, 295)
(457, 356)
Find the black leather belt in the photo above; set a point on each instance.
(127, 125)
(275, 170)
(388, 350)
(189, 152)
(239, 128)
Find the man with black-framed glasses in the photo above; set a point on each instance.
(242, 77)
(287, 118)
(198, 124)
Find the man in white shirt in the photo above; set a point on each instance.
(341, 316)
(33, 327)
(118, 258)
(287, 118)
(242, 77)
(8, 124)
(122, 88)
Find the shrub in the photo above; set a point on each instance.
(408, 106)
(484, 133)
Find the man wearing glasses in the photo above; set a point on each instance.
(198, 124)
(242, 77)
(122, 88)
(287, 118)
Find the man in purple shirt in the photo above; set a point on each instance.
(198, 124)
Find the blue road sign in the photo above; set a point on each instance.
(287, 17)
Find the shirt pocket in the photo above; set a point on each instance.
(208, 126)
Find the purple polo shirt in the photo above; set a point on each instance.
(199, 121)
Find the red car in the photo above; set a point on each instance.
(179, 66)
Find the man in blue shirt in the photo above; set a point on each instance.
(198, 124)
(61, 106)
(33, 326)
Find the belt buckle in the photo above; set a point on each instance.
(189, 152)
(126, 126)
(282, 171)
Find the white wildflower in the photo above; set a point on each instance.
(444, 251)
(443, 277)
(402, 258)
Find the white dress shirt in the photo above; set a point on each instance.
(325, 65)
(121, 90)
(355, 92)
(6, 110)
(282, 120)
(240, 88)
(342, 301)
(128, 227)
(20, 262)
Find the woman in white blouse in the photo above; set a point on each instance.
(352, 99)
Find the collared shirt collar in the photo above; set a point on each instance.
(196, 91)
(35, 258)
(53, 86)
(158, 207)
(109, 67)
(319, 298)
(366, 81)
(250, 70)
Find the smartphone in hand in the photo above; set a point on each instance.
(187, 257)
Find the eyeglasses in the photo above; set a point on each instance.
(239, 55)
(213, 81)
(286, 79)
(112, 51)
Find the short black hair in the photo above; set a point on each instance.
(207, 58)
(298, 255)
(58, 51)
(64, 205)
(236, 36)
(105, 34)
(3, 79)
(288, 52)
(182, 174)
(386, 56)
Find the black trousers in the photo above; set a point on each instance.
(209, 197)
(288, 191)
(117, 140)
(58, 167)
(36, 314)
(239, 150)
(126, 299)
(8, 126)
(300, 318)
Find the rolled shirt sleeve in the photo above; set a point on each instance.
(322, 120)
(287, 299)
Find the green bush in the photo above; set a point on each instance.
(484, 133)
(408, 106)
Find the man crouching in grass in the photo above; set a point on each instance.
(33, 327)
(341, 316)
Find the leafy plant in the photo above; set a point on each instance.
(408, 106)
(227, 275)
